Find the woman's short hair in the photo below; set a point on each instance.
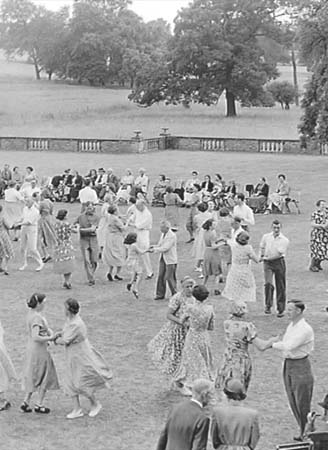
(197, 186)
(224, 212)
(242, 238)
(112, 209)
(30, 168)
(202, 207)
(72, 305)
(282, 176)
(133, 200)
(207, 224)
(35, 300)
(234, 390)
(169, 189)
(319, 201)
(200, 292)
(131, 238)
(61, 214)
(263, 179)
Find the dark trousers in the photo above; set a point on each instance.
(90, 252)
(276, 269)
(166, 274)
(298, 381)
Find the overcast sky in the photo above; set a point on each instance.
(148, 9)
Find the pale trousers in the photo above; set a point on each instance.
(29, 243)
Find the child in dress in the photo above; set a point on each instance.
(133, 263)
(7, 372)
(86, 370)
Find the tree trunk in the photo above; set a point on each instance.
(49, 76)
(294, 65)
(37, 69)
(231, 104)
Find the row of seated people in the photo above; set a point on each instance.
(260, 200)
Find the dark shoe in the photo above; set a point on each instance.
(41, 409)
(149, 277)
(217, 292)
(5, 272)
(109, 277)
(190, 240)
(118, 278)
(298, 438)
(280, 314)
(25, 408)
(159, 298)
(47, 259)
(129, 286)
(267, 311)
(6, 405)
(67, 285)
(91, 283)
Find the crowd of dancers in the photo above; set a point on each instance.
(181, 350)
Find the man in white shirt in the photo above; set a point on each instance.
(236, 227)
(296, 346)
(143, 222)
(243, 211)
(273, 249)
(29, 234)
(168, 261)
(87, 195)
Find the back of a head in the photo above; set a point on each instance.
(200, 386)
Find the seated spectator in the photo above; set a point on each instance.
(126, 183)
(75, 186)
(258, 200)
(159, 191)
(113, 181)
(17, 177)
(92, 176)
(207, 184)
(277, 200)
(189, 186)
(141, 183)
(101, 183)
(5, 177)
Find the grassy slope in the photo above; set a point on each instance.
(136, 407)
(32, 108)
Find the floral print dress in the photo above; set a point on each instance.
(165, 349)
(197, 361)
(236, 360)
(319, 237)
(64, 251)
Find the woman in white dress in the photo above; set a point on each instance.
(126, 184)
(240, 283)
(13, 207)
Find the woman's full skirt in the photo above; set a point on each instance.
(240, 285)
(114, 250)
(86, 370)
(7, 370)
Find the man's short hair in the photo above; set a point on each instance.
(298, 304)
(241, 196)
(276, 222)
(237, 219)
(201, 385)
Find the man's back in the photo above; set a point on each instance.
(186, 428)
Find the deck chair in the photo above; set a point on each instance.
(249, 189)
(296, 446)
(319, 439)
(293, 198)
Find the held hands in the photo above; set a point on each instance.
(274, 339)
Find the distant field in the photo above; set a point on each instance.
(56, 109)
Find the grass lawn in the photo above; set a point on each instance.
(56, 109)
(137, 405)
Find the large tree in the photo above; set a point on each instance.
(215, 49)
(313, 38)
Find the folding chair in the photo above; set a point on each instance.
(296, 446)
(249, 189)
(295, 199)
(319, 439)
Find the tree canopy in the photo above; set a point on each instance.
(215, 49)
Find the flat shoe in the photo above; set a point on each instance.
(109, 277)
(6, 405)
(96, 410)
(22, 268)
(41, 409)
(149, 277)
(25, 407)
(75, 414)
(129, 286)
(118, 278)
